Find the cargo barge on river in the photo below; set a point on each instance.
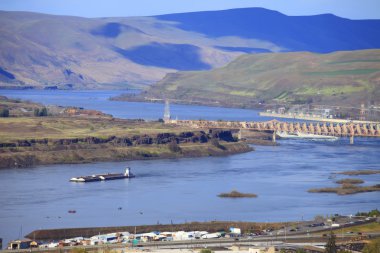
(103, 177)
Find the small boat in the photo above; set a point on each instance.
(103, 177)
(72, 211)
(306, 136)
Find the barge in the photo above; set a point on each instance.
(300, 135)
(103, 177)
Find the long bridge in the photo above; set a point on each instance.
(319, 128)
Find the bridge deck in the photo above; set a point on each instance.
(320, 128)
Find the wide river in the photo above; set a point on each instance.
(166, 191)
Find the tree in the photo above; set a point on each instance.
(36, 112)
(330, 245)
(43, 112)
(216, 143)
(205, 251)
(173, 146)
(40, 113)
(4, 113)
(374, 213)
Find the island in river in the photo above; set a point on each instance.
(75, 135)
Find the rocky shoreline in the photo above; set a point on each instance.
(33, 152)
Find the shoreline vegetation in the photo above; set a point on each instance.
(346, 189)
(350, 185)
(350, 181)
(236, 194)
(358, 172)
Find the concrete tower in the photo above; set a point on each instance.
(167, 111)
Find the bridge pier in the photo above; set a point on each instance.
(239, 134)
(274, 136)
(352, 139)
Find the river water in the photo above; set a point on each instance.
(166, 191)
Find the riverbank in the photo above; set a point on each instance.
(32, 141)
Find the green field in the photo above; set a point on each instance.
(339, 78)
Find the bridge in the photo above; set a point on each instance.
(319, 128)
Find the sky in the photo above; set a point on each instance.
(352, 9)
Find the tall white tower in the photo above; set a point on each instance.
(167, 111)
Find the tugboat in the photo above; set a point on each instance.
(103, 177)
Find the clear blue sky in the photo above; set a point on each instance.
(353, 9)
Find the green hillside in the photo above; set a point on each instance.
(341, 78)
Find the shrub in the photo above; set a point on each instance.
(174, 147)
(78, 250)
(4, 113)
(216, 143)
(372, 247)
(36, 112)
(43, 112)
(40, 113)
(330, 246)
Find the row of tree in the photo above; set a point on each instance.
(4, 112)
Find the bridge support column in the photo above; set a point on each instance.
(274, 136)
(352, 139)
(239, 134)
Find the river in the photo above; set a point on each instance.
(166, 191)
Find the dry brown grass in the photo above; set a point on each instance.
(74, 127)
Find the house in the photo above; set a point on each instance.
(21, 244)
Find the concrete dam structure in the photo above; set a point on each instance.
(319, 128)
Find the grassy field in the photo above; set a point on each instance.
(340, 78)
(365, 228)
(76, 127)
(30, 141)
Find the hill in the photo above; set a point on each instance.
(320, 33)
(47, 51)
(340, 78)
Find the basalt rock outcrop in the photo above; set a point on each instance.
(31, 152)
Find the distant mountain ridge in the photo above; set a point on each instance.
(47, 51)
(319, 33)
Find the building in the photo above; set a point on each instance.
(21, 244)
